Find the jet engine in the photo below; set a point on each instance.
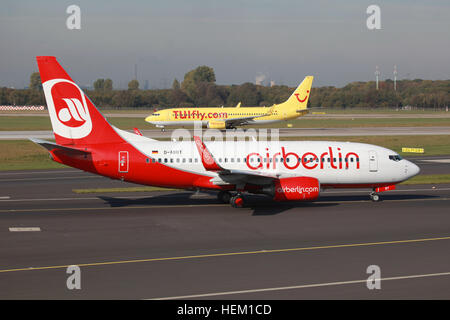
(216, 124)
(294, 189)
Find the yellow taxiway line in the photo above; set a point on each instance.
(202, 256)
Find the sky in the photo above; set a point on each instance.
(280, 41)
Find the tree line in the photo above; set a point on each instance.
(199, 88)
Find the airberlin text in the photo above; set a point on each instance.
(308, 160)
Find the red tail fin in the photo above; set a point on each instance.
(75, 119)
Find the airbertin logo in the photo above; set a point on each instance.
(68, 109)
(298, 189)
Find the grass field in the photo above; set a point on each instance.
(428, 179)
(326, 110)
(18, 123)
(24, 154)
(433, 144)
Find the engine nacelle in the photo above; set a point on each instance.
(216, 124)
(296, 189)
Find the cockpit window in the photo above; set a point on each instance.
(155, 114)
(395, 157)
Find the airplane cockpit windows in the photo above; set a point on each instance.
(395, 157)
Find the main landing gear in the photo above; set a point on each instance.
(236, 201)
(224, 196)
(374, 197)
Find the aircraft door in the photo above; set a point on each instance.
(123, 161)
(373, 161)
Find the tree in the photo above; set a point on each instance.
(175, 85)
(99, 84)
(133, 85)
(246, 93)
(195, 77)
(108, 85)
(35, 81)
(103, 85)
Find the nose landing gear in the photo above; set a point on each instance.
(374, 197)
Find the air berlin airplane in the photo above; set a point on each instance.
(284, 170)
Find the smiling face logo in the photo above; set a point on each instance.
(68, 109)
(301, 100)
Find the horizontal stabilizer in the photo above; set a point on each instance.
(52, 146)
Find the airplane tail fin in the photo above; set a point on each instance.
(75, 119)
(299, 99)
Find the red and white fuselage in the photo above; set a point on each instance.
(286, 170)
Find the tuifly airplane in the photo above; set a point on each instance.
(229, 118)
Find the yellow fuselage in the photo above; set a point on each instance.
(180, 116)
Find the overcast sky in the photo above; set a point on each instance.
(283, 40)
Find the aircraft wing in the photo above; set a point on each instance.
(242, 121)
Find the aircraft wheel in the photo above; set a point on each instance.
(374, 197)
(224, 196)
(237, 201)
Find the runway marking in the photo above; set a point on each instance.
(227, 254)
(303, 286)
(115, 208)
(24, 229)
(130, 207)
(437, 161)
(45, 179)
(8, 199)
(25, 172)
(67, 199)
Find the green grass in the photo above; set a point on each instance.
(433, 144)
(360, 123)
(19, 123)
(24, 154)
(428, 179)
(377, 111)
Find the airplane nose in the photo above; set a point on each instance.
(413, 169)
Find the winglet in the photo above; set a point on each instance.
(207, 159)
(238, 105)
